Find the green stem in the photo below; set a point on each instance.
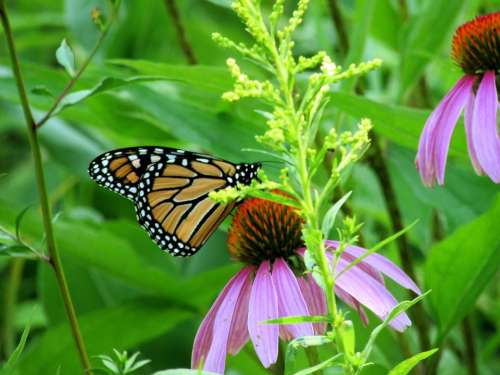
(470, 347)
(55, 260)
(377, 162)
(309, 209)
(338, 22)
(279, 367)
(79, 72)
(313, 358)
(181, 32)
(10, 300)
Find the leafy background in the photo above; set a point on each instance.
(128, 294)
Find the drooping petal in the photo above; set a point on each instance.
(370, 293)
(290, 299)
(436, 136)
(352, 302)
(315, 300)
(365, 267)
(219, 320)
(484, 128)
(238, 335)
(382, 264)
(203, 337)
(469, 110)
(263, 305)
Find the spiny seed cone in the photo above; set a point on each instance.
(264, 230)
(476, 44)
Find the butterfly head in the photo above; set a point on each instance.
(246, 172)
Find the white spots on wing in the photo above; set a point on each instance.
(136, 163)
(155, 158)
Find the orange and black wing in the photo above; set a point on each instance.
(170, 189)
(120, 170)
(173, 204)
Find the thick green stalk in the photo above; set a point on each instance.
(54, 260)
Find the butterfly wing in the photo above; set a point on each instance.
(173, 204)
(170, 189)
(120, 170)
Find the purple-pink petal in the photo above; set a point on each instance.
(484, 128)
(365, 267)
(382, 264)
(216, 357)
(315, 300)
(290, 299)
(263, 305)
(435, 139)
(370, 293)
(469, 110)
(238, 335)
(352, 302)
(205, 342)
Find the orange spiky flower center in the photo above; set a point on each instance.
(264, 230)
(476, 44)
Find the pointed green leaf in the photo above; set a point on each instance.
(407, 365)
(65, 57)
(331, 214)
(461, 266)
(14, 357)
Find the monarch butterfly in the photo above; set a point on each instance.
(170, 190)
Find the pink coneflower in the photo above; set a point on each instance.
(266, 237)
(476, 49)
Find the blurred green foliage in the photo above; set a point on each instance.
(129, 295)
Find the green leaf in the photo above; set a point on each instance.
(427, 35)
(378, 246)
(388, 25)
(331, 214)
(286, 201)
(298, 319)
(206, 77)
(348, 338)
(398, 309)
(124, 326)
(65, 57)
(302, 342)
(14, 357)
(42, 90)
(320, 366)
(402, 125)
(407, 365)
(182, 371)
(363, 14)
(461, 266)
(106, 84)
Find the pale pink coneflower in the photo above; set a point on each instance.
(266, 237)
(476, 49)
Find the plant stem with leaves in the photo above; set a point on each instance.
(293, 126)
(54, 258)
